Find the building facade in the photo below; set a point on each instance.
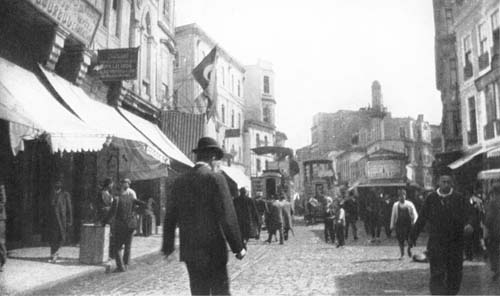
(472, 51)
(54, 46)
(193, 45)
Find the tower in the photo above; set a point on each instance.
(377, 98)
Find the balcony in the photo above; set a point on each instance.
(472, 137)
(489, 130)
(468, 71)
(484, 61)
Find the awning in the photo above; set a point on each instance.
(24, 94)
(468, 157)
(136, 164)
(489, 174)
(102, 116)
(238, 176)
(495, 152)
(153, 133)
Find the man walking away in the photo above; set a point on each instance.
(248, 217)
(492, 225)
(202, 207)
(351, 215)
(123, 214)
(446, 212)
(3, 219)
(275, 220)
(287, 213)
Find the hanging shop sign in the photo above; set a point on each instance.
(117, 64)
(79, 17)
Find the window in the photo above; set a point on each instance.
(146, 57)
(448, 12)
(223, 113)
(402, 132)
(265, 141)
(239, 88)
(232, 118)
(495, 28)
(453, 72)
(165, 96)
(468, 71)
(491, 102)
(483, 39)
(146, 89)
(266, 84)
(257, 139)
(257, 165)
(116, 16)
(223, 76)
(472, 134)
(239, 120)
(266, 114)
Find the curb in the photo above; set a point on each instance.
(103, 268)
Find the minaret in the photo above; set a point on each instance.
(377, 98)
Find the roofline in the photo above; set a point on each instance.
(194, 28)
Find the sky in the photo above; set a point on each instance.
(327, 53)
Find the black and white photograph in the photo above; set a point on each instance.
(266, 147)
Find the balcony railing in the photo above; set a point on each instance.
(468, 71)
(484, 61)
(489, 130)
(472, 137)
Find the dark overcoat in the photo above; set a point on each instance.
(248, 216)
(201, 205)
(61, 215)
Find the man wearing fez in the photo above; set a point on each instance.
(202, 207)
(446, 211)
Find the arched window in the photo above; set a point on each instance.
(146, 57)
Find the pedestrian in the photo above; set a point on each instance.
(403, 217)
(329, 223)
(492, 228)
(473, 242)
(340, 225)
(351, 215)
(105, 199)
(148, 217)
(202, 206)
(61, 219)
(104, 203)
(274, 220)
(445, 210)
(373, 205)
(248, 216)
(287, 213)
(386, 210)
(312, 207)
(3, 219)
(262, 210)
(123, 214)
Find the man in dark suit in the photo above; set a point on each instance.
(125, 222)
(447, 213)
(202, 207)
(61, 219)
(3, 218)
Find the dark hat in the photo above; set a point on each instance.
(206, 144)
(126, 180)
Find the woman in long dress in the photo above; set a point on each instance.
(404, 215)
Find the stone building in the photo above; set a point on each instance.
(468, 75)
(60, 119)
(193, 45)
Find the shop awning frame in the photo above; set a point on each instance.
(468, 157)
(489, 174)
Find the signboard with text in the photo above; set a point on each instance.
(118, 64)
(77, 16)
(385, 169)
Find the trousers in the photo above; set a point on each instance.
(446, 268)
(208, 278)
(352, 223)
(3, 249)
(329, 230)
(122, 238)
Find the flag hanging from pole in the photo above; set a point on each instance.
(206, 75)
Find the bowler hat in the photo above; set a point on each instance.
(126, 180)
(206, 144)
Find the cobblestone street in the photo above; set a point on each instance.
(305, 265)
